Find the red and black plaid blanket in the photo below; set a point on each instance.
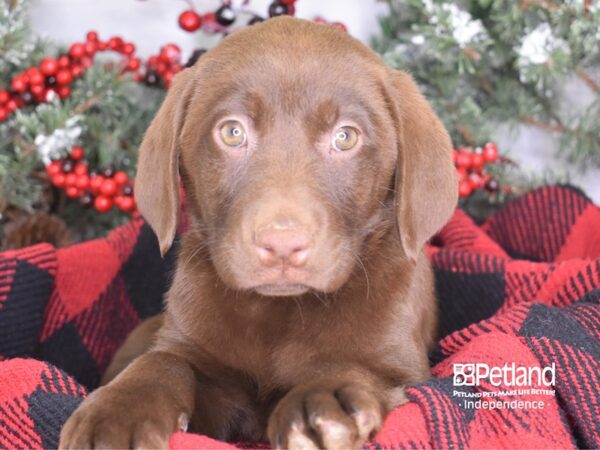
(521, 290)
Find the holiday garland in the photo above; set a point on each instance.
(54, 76)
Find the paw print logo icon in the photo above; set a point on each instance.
(464, 374)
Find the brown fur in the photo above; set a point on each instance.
(320, 362)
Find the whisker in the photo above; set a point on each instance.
(359, 260)
(300, 311)
(318, 297)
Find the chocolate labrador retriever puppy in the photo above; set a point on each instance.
(303, 303)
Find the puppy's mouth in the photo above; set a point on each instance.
(281, 289)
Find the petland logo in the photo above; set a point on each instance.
(472, 374)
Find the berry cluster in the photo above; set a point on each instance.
(54, 76)
(103, 190)
(225, 16)
(219, 20)
(470, 166)
(162, 67)
(339, 25)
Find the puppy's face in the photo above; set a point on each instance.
(287, 140)
(288, 165)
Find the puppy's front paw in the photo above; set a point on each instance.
(328, 417)
(111, 418)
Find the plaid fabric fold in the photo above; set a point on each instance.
(522, 290)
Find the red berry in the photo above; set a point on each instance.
(3, 114)
(490, 152)
(170, 53)
(102, 46)
(464, 160)
(35, 76)
(77, 50)
(91, 48)
(12, 104)
(41, 96)
(477, 161)
(73, 192)
(86, 62)
(103, 203)
(189, 20)
(19, 83)
(49, 66)
(58, 180)
(54, 168)
(76, 70)
(127, 203)
(133, 64)
(70, 179)
(115, 43)
(96, 183)
(81, 169)
(128, 49)
(340, 26)
(108, 187)
(64, 62)
(161, 67)
(476, 181)
(64, 77)
(64, 91)
(121, 178)
(91, 36)
(4, 96)
(83, 182)
(37, 90)
(77, 152)
(464, 188)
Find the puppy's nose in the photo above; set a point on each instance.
(277, 245)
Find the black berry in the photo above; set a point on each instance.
(256, 19)
(86, 199)
(278, 9)
(195, 57)
(67, 166)
(225, 15)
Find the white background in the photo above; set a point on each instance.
(152, 23)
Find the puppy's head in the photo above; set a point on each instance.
(294, 142)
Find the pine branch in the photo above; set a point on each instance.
(545, 4)
(559, 128)
(466, 135)
(587, 79)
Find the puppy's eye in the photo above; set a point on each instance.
(345, 138)
(232, 133)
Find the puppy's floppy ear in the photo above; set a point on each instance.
(426, 182)
(157, 179)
